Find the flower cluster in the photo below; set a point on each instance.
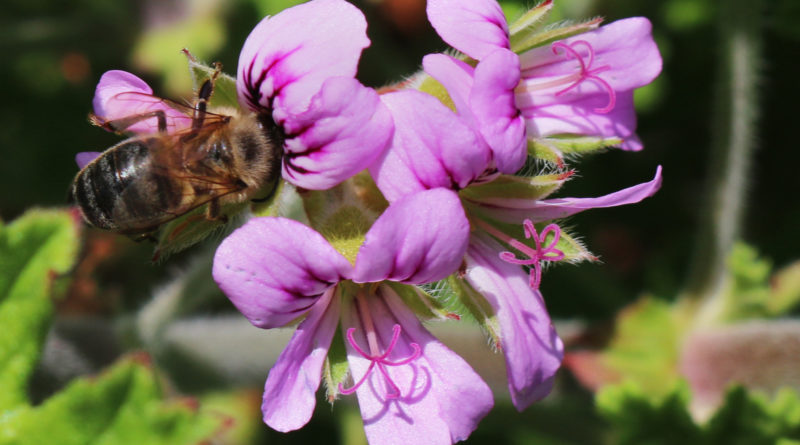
(461, 161)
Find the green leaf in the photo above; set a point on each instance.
(752, 419)
(644, 348)
(122, 406)
(744, 418)
(637, 418)
(34, 250)
(200, 29)
(785, 290)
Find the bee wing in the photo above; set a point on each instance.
(124, 107)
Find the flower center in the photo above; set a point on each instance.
(586, 72)
(537, 255)
(378, 360)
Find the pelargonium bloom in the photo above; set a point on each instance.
(581, 85)
(410, 387)
(297, 69)
(422, 156)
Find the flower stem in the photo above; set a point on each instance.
(736, 112)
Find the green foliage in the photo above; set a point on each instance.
(744, 418)
(645, 346)
(34, 250)
(200, 29)
(122, 406)
(639, 420)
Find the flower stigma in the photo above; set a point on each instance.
(376, 358)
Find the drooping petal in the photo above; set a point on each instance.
(289, 393)
(420, 238)
(345, 128)
(86, 157)
(121, 94)
(275, 269)
(431, 148)
(550, 209)
(475, 27)
(286, 58)
(441, 399)
(493, 105)
(532, 349)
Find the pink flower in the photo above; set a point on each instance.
(410, 387)
(296, 69)
(434, 147)
(581, 85)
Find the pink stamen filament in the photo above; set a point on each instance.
(380, 361)
(586, 72)
(535, 255)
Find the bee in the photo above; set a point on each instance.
(226, 156)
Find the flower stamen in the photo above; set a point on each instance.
(537, 255)
(381, 362)
(586, 71)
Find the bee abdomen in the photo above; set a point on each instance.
(99, 187)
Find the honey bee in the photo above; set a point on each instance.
(226, 156)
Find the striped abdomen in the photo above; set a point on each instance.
(125, 191)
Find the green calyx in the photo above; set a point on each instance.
(344, 214)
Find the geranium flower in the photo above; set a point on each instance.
(410, 387)
(297, 68)
(434, 147)
(582, 85)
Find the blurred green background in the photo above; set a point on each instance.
(55, 51)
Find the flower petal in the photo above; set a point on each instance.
(121, 94)
(577, 115)
(441, 400)
(431, 147)
(345, 128)
(550, 209)
(286, 58)
(496, 113)
(626, 47)
(476, 27)
(532, 349)
(621, 57)
(420, 238)
(456, 77)
(289, 394)
(86, 157)
(276, 269)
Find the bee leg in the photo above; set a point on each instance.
(213, 212)
(122, 124)
(203, 97)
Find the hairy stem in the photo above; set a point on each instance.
(735, 112)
